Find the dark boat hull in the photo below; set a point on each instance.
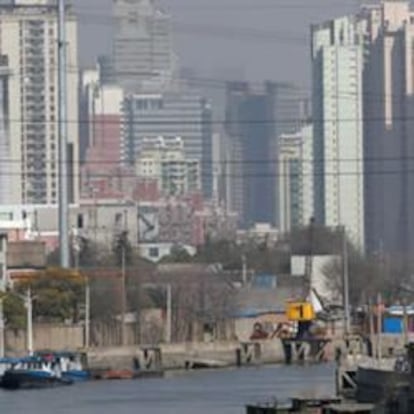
(374, 385)
(23, 380)
(390, 390)
(76, 376)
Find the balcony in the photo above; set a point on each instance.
(36, 167)
(34, 41)
(36, 118)
(35, 77)
(38, 129)
(31, 147)
(35, 70)
(35, 99)
(40, 107)
(35, 138)
(36, 61)
(35, 51)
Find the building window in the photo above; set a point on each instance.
(80, 221)
(154, 252)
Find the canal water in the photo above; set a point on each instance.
(201, 392)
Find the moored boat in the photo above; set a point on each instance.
(70, 365)
(388, 382)
(32, 373)
(23, 379)
(6, 364)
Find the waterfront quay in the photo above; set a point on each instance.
(185, 355)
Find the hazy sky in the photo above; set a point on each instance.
(254, 39)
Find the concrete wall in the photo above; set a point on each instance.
(174, 356)
(53, 337)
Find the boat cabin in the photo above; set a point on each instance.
(6, 364)
(67, 361)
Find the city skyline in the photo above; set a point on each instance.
(202, 184)
(260, 31)
(139, 91)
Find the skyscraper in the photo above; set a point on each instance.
(142, 49)
(388, 125)
(337, 98)
(183, 114)
(28, 38)
(255, 118)
(295, 179)
(5, 178)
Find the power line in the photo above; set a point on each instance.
(232, 161)
(299, 121)
(115, 176)
(228, 84)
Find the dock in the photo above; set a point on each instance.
(322, 405)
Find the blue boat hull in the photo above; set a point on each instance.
(25, 380)
(76, 376)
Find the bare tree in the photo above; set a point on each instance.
(370, 275)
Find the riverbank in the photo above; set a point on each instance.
(177, 356)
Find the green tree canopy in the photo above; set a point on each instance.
(58, 294)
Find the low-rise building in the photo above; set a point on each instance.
(258, 234)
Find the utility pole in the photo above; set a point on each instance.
(309, 256)
(2, 350)
(168, 326)
(379, 327)
(29, 308)
(123, 275)
(345, 281)
(87, 312)
(244, 270)
(405, 323)
(63, 138)
(123, 293)
(371, 326)
(77, 249)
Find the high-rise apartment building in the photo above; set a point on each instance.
(28, 38)
(389, 125)
(5, 177)
(255, 118)
(165, 161)
(169, 115)
(337, 99)
(295, 179)
(142, 49)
